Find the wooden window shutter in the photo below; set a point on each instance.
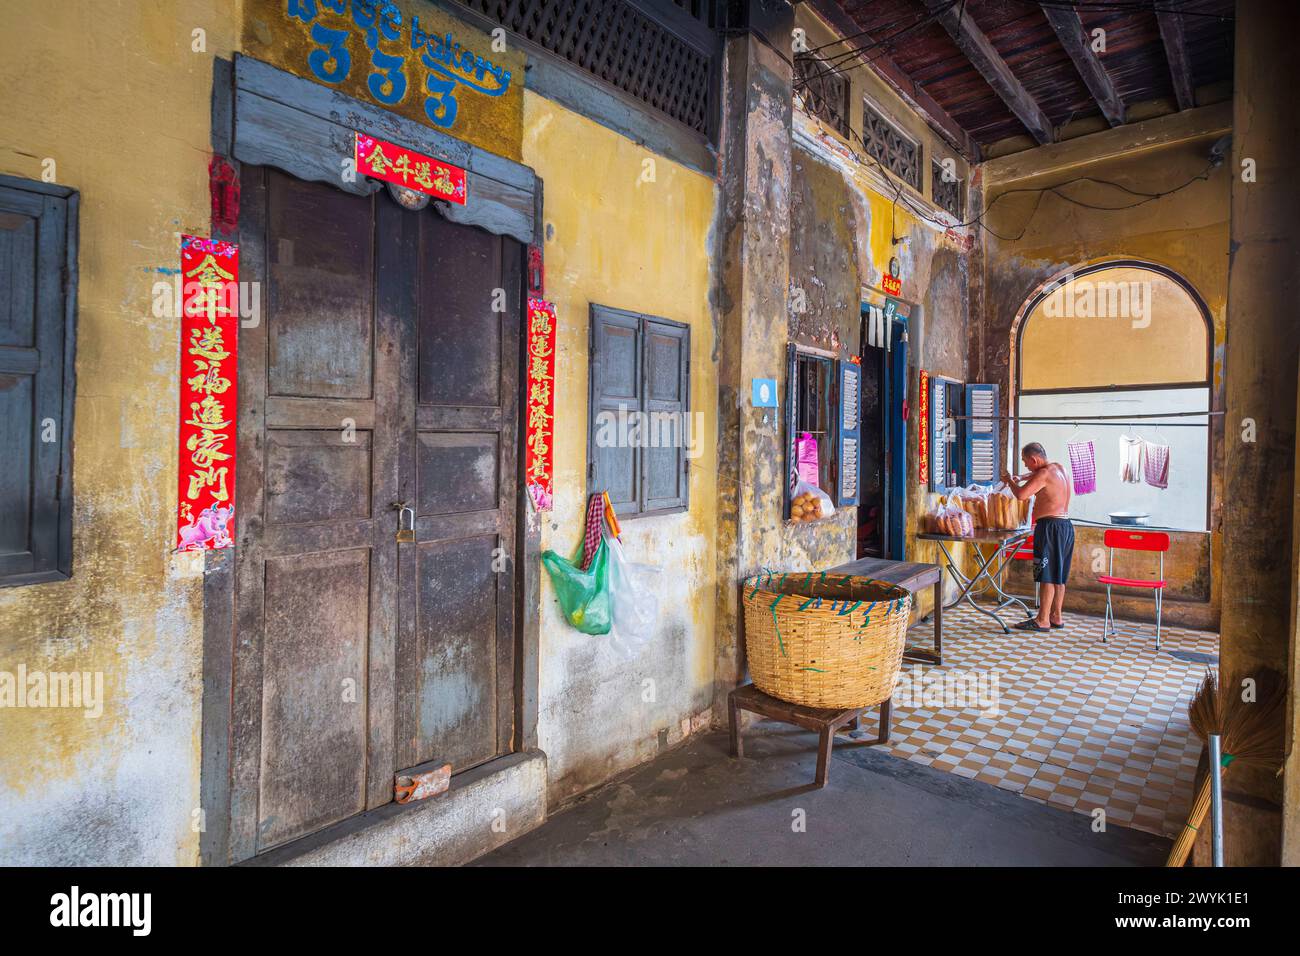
(666, 370)
(37, 239)
(938, 434)
(982, 435)
(850, 430)
(614, 463)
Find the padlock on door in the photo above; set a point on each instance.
(405, 531)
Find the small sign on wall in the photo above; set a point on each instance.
(764, 393)
(539, 404)
(405, 167)
(208, 393)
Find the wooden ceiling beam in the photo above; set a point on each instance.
(935, 116)
(1069, 30)
(971, 40)
(1180, 66)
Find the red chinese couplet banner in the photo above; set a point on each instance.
(404, 167)
(539, 455)
(923, 427)
(209, 339)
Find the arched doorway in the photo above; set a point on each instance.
(1115, 353)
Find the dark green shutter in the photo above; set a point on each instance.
(666, 349)
(36, 235)
(614, 465)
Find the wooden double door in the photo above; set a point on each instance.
(378, 391)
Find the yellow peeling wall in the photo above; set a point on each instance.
(628, 229)
(115, 95)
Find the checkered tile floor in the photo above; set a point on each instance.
(1078, 724)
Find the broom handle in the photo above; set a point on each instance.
(1216, 800)
(1200, 807)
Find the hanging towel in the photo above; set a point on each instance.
(1130, 459)
(1083, 466)
(1156, 464)
(595, 522)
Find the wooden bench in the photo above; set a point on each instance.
(825, 721)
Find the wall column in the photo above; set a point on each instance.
(1258, 618)
(750, 292)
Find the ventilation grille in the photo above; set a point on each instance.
(895, 150)
(823, 92)
(622, 46)
(946, 195)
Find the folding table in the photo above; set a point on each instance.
(989, 568)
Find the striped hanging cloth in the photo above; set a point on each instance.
(595, 521)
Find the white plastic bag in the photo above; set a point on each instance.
(810, 503)
(632, 591)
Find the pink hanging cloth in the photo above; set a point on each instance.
(595, 523)
(1156, 465)
(1083, 466)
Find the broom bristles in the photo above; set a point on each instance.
(1250, 731)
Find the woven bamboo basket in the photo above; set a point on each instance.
(825, 640)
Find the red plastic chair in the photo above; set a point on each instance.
(1115, 540)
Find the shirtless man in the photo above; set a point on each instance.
(1053, 532)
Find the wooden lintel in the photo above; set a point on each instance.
(1172, 129)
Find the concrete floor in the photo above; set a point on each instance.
(695, 806)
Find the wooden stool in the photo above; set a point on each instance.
(826, 721)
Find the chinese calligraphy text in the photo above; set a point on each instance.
(209, 337)
(539, 406)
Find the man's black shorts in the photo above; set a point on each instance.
(1053, 548)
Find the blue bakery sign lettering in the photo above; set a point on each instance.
(426, 65)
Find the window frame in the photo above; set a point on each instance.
(643, 321)
(62, 313)
(1043, 290)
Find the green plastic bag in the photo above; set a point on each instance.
(584, 595)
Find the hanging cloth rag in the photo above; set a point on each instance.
(1083, 466)
(595, 522)
(1130, 459)
(1156, 465)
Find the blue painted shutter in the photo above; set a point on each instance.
(791, 423)
(982, 447)
(938, 433)
(850, 430)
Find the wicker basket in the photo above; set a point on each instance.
(825, 640)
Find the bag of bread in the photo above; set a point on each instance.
(1004, 509)
(974, 501)
(810, 503)
(952, 520)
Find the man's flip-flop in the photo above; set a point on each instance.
(1058, 627)
(1030, 625)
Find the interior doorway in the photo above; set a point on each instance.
(882, 479)
(379, 395)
